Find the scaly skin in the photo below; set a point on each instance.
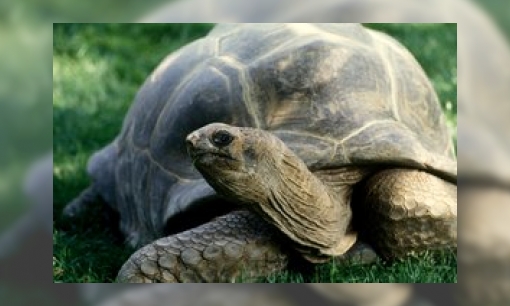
(407, 211)
(235, 245)
(231, 246)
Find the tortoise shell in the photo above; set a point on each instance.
(337, 95)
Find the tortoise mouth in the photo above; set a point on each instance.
(200, 154)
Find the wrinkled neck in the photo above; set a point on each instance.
(299, 203)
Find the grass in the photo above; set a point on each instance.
(437, 267)
(97, 70)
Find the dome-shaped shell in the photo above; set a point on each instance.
(335, 94)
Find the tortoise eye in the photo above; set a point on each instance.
(222, 138)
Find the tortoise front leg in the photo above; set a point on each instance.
(239, 244)
(403, 211)
(79, 205)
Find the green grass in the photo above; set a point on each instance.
(97, 70)
(440, 267)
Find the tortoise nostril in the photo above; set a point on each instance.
(191, 139)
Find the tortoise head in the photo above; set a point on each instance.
(215, 145)
(225, 155)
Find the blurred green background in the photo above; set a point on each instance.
(25, 110)
(97, 70)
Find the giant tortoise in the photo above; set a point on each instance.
(261, 143)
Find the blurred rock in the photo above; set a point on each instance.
(30, 236)
(198, 295)
(26, 248)
(484, 257)
(366, 294)
(252, 295)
